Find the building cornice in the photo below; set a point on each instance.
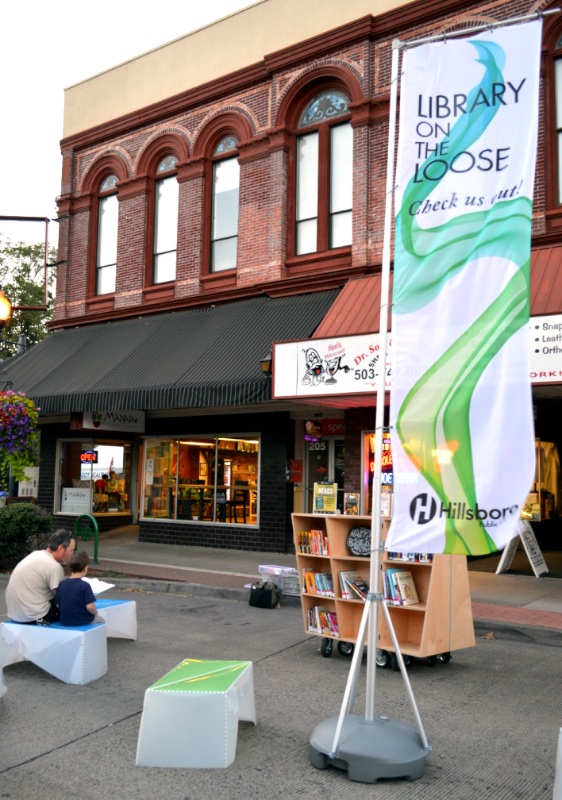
(368, 27)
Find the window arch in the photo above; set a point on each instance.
(224, 205)
(323, 197)
(218, 147)
(165, 236)
(107, 235)
(158, 165)
(316, 114)
(101, 188)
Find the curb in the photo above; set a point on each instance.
(199, 589)
(482, 627)
(149, 585)
(524, 634)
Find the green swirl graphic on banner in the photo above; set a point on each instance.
(434, 416)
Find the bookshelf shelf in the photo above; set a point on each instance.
(440, 622)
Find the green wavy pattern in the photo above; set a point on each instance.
(435, 412)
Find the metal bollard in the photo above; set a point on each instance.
(85, 528)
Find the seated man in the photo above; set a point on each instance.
(101, 484)
(34, 581)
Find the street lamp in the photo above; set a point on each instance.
(5, 309)
(5, 314)
(265, 363)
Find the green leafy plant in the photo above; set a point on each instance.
(23, 527)
(22, 277)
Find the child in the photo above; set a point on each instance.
(75, 598)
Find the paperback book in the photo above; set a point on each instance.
(399, 587)
(98, 586)
(353, 585)
(407, 588)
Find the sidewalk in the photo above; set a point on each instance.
(518, 604)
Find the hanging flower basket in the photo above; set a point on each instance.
(18, 421)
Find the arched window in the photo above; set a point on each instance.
(106, 254)
(166, 194)
(324, 174)
(224, 215)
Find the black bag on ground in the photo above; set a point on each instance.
(263, 594)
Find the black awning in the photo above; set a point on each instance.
(198, 358)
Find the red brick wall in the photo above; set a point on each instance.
(265, 173)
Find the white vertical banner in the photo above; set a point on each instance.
(461, 412)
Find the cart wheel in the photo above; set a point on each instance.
(383, 659)
(432, 660)
(394, 661)
(326, 647)
(346, 648)
(444, 658)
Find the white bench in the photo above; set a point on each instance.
(190, 716)
(76, 654)
(120, 617)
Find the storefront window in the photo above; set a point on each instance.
(93, 477)
(203, 479)
(387, 474)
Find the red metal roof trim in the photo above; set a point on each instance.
(356, 310)
(546, 286)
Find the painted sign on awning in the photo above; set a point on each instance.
(114, 421)
(461, 412)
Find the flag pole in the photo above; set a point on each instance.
(376, 746)
(376, 525)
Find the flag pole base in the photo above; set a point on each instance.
(369, 750)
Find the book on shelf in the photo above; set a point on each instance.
(391, 593)
(353, 585)
(344, 588)
(414, 558)
(322, 620)
(313, 542)
(407, 588)
(317, 582)
(350, 503)
(307, 582)
(400, 588)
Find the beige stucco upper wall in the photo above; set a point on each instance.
(225, 46)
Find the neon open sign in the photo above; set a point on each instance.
(89, 457)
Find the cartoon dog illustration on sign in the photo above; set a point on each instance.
(315, 372)
(319, 370)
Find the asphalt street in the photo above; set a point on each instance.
(492, 715)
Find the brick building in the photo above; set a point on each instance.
(220, 194)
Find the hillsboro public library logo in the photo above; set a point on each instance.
(424, 508)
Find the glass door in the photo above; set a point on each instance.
(324, 464)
